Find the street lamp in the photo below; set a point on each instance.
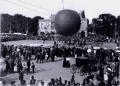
(10, 31)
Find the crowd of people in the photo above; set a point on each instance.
(41, 53)
(15, 54)
(52, 82)
(12, 37)
(67, 39)
(103, 69)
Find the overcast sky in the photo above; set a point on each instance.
(45, 8)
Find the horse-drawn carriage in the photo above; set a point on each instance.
(82, 65)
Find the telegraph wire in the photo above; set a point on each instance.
(26, 7)
(35, 6)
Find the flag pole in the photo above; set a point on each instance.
(63, 4)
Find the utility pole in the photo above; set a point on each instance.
(93, 29)
(10, 31)
(115, 29)
(27, 28)
(118, 29)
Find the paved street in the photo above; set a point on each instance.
(46, 71)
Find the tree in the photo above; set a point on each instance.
(19, 23)
(5, 23)
(34, 28)
(97, 27)
(90, 28)
(108, 23)
(105, 25)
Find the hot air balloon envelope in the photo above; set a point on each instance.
(67, 22)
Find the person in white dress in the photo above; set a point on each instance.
(46, 57)
(15, 67)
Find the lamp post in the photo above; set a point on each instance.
(115, 33)
(27, 28)
(10, 31)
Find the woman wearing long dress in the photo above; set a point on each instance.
(64, 62)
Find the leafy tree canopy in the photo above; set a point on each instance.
(19, 24)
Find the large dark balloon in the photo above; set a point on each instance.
(67, 22)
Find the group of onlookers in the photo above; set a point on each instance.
(15, 54)
(106, 68)
(68, 39)
(53, 82)
(40, 53)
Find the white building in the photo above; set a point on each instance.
(47, 25)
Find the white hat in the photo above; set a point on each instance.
(109, 69)
(68, 59)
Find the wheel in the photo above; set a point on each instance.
(73, 69)
(77, 84)
(82, 71)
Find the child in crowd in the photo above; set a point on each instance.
(33, 67)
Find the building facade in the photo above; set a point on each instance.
(47, 25)
(84, 24)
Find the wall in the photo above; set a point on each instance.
(83, 26)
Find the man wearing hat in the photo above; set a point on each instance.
(28, 65)
(90, 83)
(21, 76)
(32, 81)
(110, 78)
(12, 83)
(23, 82)
(42, 82)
